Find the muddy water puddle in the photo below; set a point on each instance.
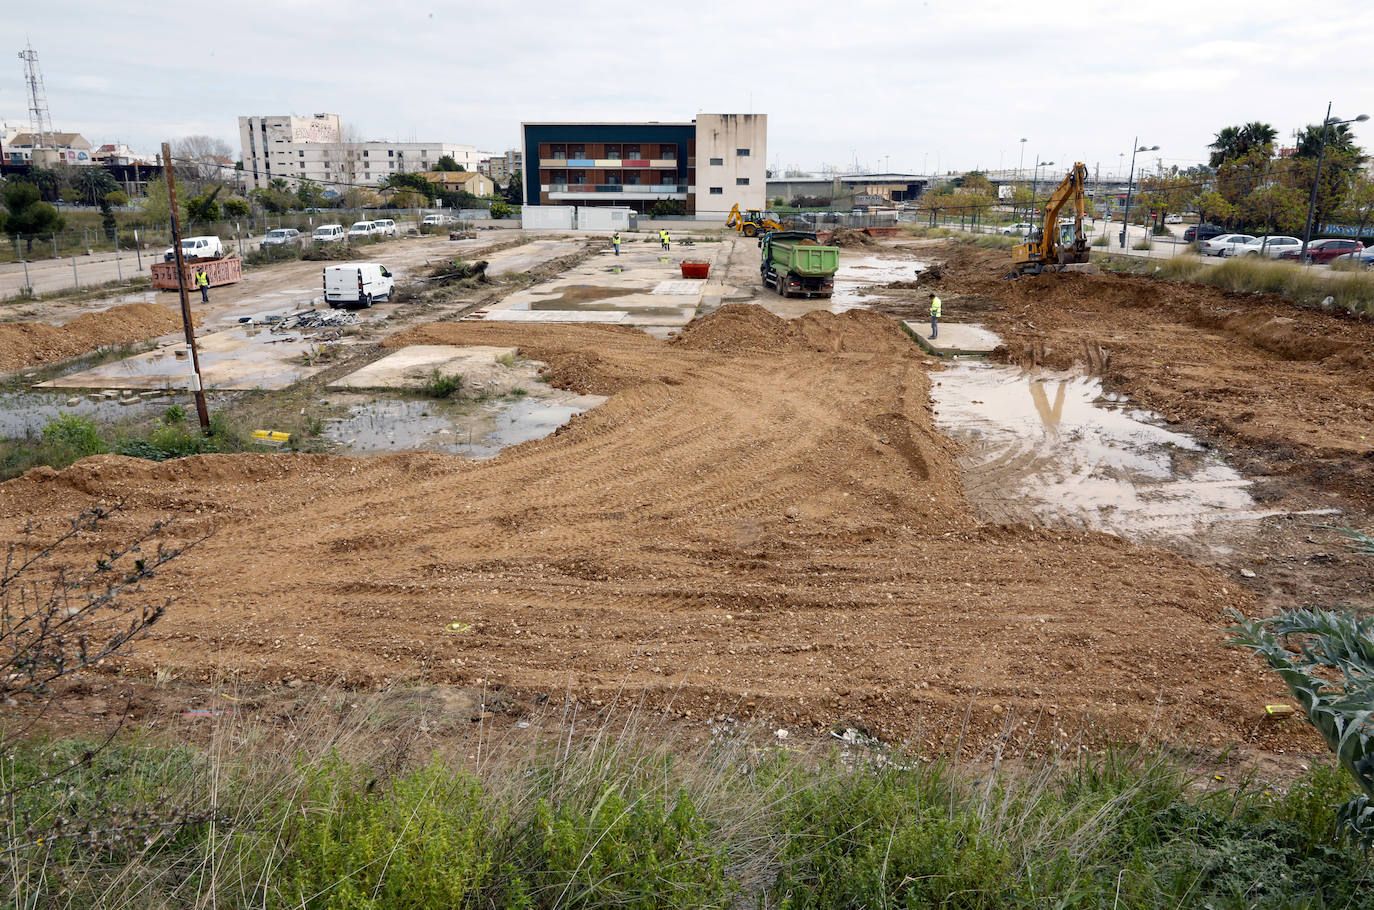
(26, 413)
(1055, 449)
(582, 296)
(472, 429)
(858, 273)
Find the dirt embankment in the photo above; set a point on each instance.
(29, 344)
(1295, 385)
(761, 520)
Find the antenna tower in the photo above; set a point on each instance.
(38, 100)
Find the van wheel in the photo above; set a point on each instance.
(367, 301)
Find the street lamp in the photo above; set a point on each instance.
(1021, 160)
(1130, 184)
(1316, 180)
(1035, 184)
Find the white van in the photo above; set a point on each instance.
(363, 229)
(384, 227)
(356, 282)
(328, 233)
(196, 248)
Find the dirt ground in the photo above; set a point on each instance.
(27, 344)
(761, 521)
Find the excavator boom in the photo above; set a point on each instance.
(1055, 245)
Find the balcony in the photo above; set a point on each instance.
(609, 162)
(621, 191)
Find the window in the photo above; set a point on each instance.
(364, 153)
(613, 152)
(391, 153)
(717, 191)
(742, 153)
(667, 152)
(301, 153)
(302, 165)
(632, 152)
(741, 181)
(717, 162)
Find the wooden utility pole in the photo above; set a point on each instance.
(201, 410)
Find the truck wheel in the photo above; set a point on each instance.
(750, 230)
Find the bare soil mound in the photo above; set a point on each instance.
(737, 530)
(851, 239)
(27, 344)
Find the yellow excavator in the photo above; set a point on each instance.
(1055, 245)
(752, 223)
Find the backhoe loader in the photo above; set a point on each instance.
(752, 223)
(1053, 244)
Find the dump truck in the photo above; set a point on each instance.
(795, 262)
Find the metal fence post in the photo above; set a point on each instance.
(138, 250)
(119, 269)
(75, 279)
(54, 245)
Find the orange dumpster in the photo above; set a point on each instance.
(220, 272)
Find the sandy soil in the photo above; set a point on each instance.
(762, 520)
(27, 344)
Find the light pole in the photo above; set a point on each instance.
(1020, 161)
(1130, 184)
(1035, 184)
(1328, 121)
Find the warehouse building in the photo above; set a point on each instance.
(702, 167)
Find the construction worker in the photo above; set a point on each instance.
(615, 242)
(203, 282)
(934, 315)
(664, 239)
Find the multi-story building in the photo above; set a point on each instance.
(708, 165)
(318, 148)
(500, 167)
(54, 148)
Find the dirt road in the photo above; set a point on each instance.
(761, 520)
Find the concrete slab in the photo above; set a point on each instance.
(232, 360)
(954, 338)
(526, 256)
(411, 367)
(687, 286)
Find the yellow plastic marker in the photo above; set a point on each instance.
(1279, 710)
(270, 437)
(458, 628)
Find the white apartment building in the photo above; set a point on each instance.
(316, 148)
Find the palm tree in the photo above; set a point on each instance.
(1238, 141)
(95, 183)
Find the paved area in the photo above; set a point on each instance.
(412, 367)
(954, 338)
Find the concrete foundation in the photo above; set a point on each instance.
(955, 338)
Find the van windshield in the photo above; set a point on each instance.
(362, 225)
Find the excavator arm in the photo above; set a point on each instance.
(1050, 247)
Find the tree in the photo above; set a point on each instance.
(515, 189)
(203, 208)
(410, 181)
(94, 183)
(1237, 141)
(1340, 164)
(29, 216)
(236, 208)
(46, 179)
(1359, 202)
(309, 193)
(1212, 206)
(201, 160)
(156, 209)
(500, 209)
(118, 197)
(1275, 207)
(447, 163)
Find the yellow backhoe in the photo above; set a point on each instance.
(1055, 245)
(752, 223)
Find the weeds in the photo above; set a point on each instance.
(1351, 291)
(1144, 243)
(443, 385)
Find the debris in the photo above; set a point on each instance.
(314, 319)
(1246, 573)
(780, 734)
(1279, 710)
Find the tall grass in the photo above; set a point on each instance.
(349, 806)
(1353, 290)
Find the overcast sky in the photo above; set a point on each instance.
(901, 86)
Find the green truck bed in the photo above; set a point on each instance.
(802, 258)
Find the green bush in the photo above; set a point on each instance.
(421, 842)
(75, 434)
(442, 385)
(500, 209)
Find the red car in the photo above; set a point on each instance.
(1324, 250)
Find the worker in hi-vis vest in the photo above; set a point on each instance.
(203, 282)
(664, 239)
(934, 315)
(615, 242)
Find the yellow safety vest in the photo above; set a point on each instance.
(616, 239)
(202, 280)
(935, 306)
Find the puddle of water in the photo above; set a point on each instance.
(570, 296)
(23, 413)
(398, 425)
(1056, 450)
(862, 272)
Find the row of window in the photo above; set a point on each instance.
(739, 181)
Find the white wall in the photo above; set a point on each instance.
(603, 218)
(722, 137)
(547, 217)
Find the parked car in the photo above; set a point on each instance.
(280, 237)
(356, 283)
(1019, 229)
(362, 229)
(1325, 250)
(196, 248)
(1364, 257)
(1203, 232)
(436, 219)
(328, 233)
(1173, 219)
(1272, 247)
(384, 227)
(1223, 244)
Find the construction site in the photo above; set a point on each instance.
(715, 500)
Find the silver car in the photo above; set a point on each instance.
(281, 237)
(1272, 247)
(1218, 246)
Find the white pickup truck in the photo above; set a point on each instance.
(357, 283)
(196, 248)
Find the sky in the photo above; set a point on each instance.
(913, 87)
